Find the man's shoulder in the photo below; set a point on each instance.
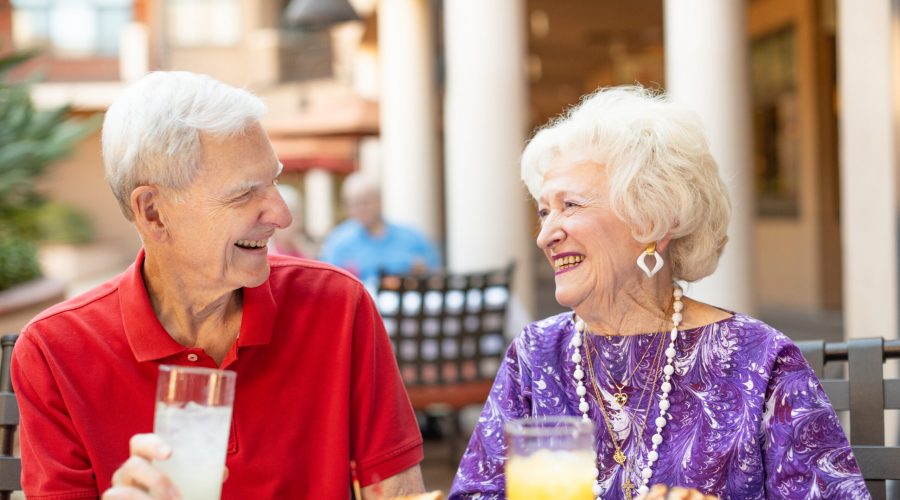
(296, 271)
(405, 232)
(91, 299)
(347, 230)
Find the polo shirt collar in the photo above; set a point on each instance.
(150, 341)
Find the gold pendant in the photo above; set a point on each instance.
(621, 399)
(627, 488)
(619, 457)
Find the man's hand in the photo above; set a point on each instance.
(137, 478)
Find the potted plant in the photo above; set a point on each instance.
(30, 141)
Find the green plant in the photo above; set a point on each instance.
(17, 261)
(30, 141)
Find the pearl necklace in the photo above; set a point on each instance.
(665, 389)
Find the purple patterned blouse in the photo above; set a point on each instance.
(748, 417)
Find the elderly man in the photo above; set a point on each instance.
(366, 244)
(317, 384)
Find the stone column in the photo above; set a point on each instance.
(485, 122)
(408, 117)
(868, 173)
(319, 202)
(707, 70)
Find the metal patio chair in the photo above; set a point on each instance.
(447, 333)
(10, 465)
(865, 393)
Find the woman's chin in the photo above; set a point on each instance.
(565, 299)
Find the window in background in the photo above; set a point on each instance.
(776, 124)
(203, 23)
(71, 28)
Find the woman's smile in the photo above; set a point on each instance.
(566, 261)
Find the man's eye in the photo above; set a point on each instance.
(571, 204)
(242, 197)
(543, 213)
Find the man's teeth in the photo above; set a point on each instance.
(568, 261)
(251, 243)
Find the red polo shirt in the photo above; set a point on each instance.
(317, 385)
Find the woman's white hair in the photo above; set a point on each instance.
(151, 133)
(662, 178)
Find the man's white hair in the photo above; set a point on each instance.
(151, 133)
(662, 178)
(359, 184)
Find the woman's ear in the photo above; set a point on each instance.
(662, 244)
(148, 216)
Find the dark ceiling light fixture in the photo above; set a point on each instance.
(318, 14)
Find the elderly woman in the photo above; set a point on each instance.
(681, 393)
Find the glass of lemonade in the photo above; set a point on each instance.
(550, 458)
(193, 415)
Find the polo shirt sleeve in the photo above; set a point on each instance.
(384, 435)
(55, 464)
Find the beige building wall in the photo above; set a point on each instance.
(788, 255)
(786, 265)
(252, 61)
(78, 182)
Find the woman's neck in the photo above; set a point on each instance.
(643, 307)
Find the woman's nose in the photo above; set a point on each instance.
(550, 234)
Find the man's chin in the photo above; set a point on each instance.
(257, 278)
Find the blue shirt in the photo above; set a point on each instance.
(394, 251)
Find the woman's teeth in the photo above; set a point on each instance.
(251, 243)
(567, 261)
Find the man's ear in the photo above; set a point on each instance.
(148, 215)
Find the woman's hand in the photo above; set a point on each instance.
(137, 478)
(663, 492)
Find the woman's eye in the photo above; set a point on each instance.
(571, 204)
(543, 213)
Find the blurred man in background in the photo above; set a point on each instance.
(366, 244)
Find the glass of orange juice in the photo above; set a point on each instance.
(550, 458)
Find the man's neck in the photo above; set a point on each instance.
(193, 316)
(377, 229)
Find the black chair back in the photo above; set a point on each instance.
(10, 465)
(446, 328)
(865, 394)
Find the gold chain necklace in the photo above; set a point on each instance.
(628, 486)
(619, 456)
(620, 396)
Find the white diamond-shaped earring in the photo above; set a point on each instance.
(642, 264)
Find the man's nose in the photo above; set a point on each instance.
(277, 212)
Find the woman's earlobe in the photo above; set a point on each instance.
(663, 244)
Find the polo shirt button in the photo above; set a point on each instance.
(192, 357)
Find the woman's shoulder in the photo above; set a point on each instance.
(747, 337)
(547, 335)
(551, 326)
(744, 326)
